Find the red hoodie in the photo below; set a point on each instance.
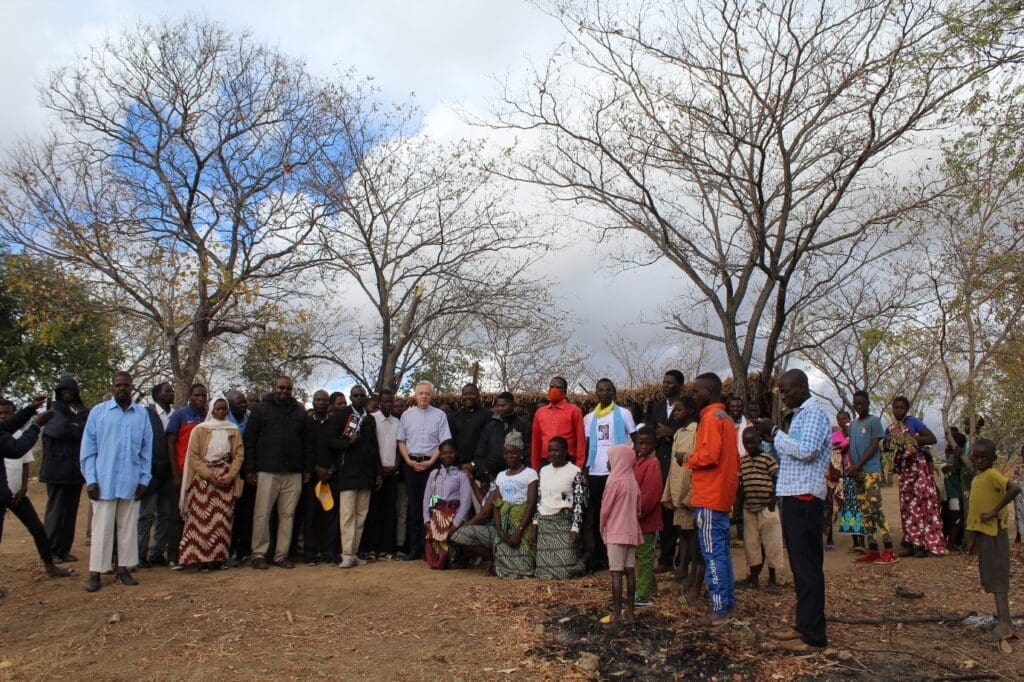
(648, 476)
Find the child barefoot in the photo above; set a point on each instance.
(620, 527)
(986, 520)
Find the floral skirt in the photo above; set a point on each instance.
(850, 519)
(920, 509)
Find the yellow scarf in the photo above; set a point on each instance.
(599, 412)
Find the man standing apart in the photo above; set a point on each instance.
(659, 417)
(421, 431)
(804, 452)
(715, 464)
(179, 428)
(558, 418)
(468, 422)
(609, 424)
(278, 460)
(117, 460)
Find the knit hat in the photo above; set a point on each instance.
(514, 439)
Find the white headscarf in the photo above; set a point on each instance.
(217, 449)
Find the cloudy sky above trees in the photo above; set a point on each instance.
(450, 55)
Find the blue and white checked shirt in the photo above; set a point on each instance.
(117, 449)
(804, 452)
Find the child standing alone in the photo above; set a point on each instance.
(986, 521)
(620, 527)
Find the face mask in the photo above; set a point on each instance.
(556, 394)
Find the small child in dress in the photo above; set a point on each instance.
(986, 521)
(620, 527)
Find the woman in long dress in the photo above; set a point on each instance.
(849, 515)
(559, 518)
(209, 487)
(920, 509)
(514, 505)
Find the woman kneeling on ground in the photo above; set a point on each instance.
(514, 506)
(447, 502)
(563, 496)
(475, 538)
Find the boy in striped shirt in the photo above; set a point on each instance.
(761, 526)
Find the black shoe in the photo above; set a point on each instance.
(144, 563)
(93, 583)
(415, 556)
(919, 553)
(284, 563)
(125, 578)
(158, 560)
(260, 563)
(907, 552)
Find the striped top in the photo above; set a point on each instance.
(758, 475)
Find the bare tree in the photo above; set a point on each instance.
(171, 181)
(423, 241)
(745, 142)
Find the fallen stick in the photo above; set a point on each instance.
(909, 620)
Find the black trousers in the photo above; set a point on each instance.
(310, 523)
(379, 535)
(26, 513)
(415, 487)
(60, 515)
(241, 531)
(668, 537)
(592, 524)
(801, 529)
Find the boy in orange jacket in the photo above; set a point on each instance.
(715, 463)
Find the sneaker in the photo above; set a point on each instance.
(347, 562)
(360, 562)
(887, 557)
(175, 566)
(640, 601)
(869, 557)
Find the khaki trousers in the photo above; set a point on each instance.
(282, 490)
(763, 528)
(106, 514)
(353, 506)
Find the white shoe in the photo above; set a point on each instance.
(347, 562)
(359, 562)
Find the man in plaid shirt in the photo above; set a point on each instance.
(804, 451)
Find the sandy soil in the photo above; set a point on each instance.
(394, 620)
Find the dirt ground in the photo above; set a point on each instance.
(394, 620)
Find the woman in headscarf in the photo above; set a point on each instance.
(209, 487)
(563, 496)
(514, 505)
(446, 505)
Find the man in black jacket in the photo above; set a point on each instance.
(659, 417)
(60, 470)
(349, 454)
(278, 460)
(15, 448)
(468, 422)
(159, 506)
(491, 447)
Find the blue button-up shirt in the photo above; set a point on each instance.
(805, 451)
(423, 430)
(240, 424)
(117, 449)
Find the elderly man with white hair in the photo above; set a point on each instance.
(421, 431)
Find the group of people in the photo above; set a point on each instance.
(238, 480)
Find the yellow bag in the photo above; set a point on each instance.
(323, 493)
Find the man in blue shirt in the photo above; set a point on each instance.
(866, 435)
(116, 458)
(804, 453)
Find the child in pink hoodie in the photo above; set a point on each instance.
(620, 527)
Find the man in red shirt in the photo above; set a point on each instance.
(558, 418)
(715, 463)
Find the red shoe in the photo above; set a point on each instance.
(887, 557)
(869, 557)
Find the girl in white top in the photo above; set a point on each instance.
(559, 515)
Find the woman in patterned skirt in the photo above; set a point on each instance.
(560, 515)
(209, 487)
(514, 505)
(920, 510)
(849, 514)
